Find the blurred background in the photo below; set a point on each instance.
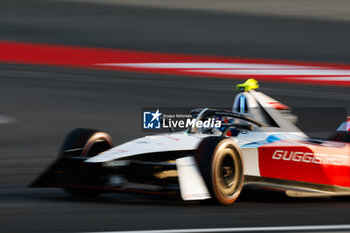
(40, 104)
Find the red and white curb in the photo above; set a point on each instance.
(174, 64)
(274, 72)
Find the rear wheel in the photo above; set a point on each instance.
(220, 163)
(87, 143)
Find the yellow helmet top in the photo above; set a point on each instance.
(250, 84)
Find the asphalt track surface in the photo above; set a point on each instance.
(45, 103)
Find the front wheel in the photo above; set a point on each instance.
(86, 143)
(220, 163)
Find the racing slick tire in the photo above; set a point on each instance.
(91, 141)
(88, 143)
(221, 165)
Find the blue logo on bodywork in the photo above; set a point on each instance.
(151, 120)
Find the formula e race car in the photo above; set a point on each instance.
(257, 145)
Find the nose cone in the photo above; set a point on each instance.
(149, 144)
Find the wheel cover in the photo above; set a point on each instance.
(227, 173)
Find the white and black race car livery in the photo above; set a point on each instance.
(258, 145)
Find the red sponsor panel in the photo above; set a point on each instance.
(174, 64)
(321, 164)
